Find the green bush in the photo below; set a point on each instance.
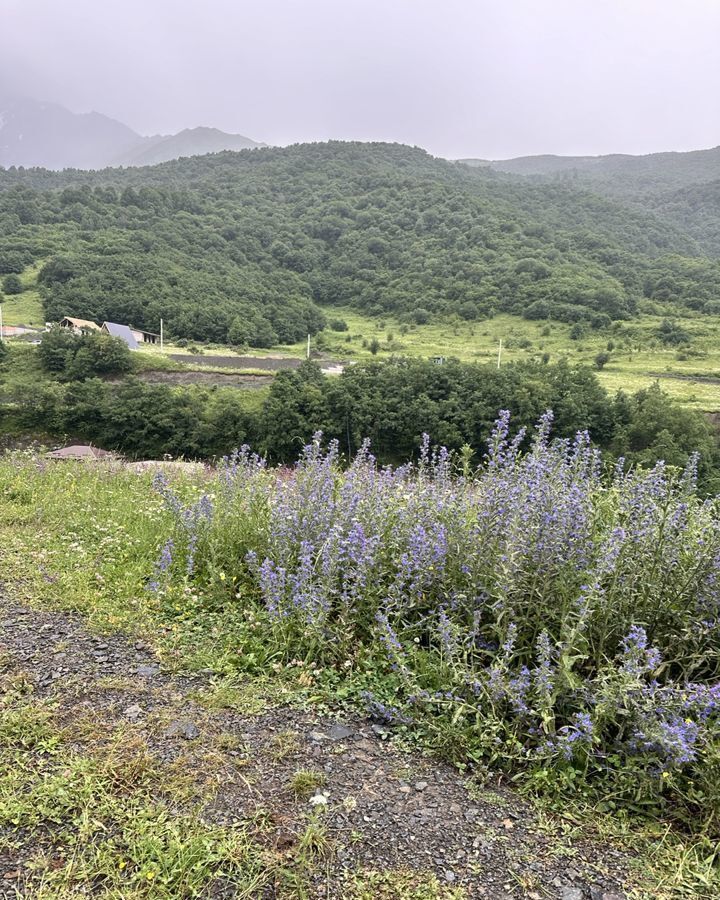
(532, 616)
(11, 285)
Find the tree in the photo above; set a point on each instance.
(670, 332)
(11, 284)
(57, 349)
(239, 333)
(601, 360)
(76, 357)
(100, 354)
(295, 409)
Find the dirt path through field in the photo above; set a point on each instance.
(382, 810)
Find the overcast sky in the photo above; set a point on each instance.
(458, 77)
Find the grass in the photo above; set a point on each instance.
(305, 782)
(113, 816)
(248, 697)
(637, 360)
(401, 885)
(25, 308)
(690, 375)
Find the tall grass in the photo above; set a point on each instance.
(537, 614)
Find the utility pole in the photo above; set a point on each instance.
(499, 352)
(161, 335)
(2, 333)
(308, 349)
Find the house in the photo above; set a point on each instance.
(438, 360)
(79, 451)
(145, 337)
(121, 331)
(78, 326)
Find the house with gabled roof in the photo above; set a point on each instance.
(121, 331)
(79, 326)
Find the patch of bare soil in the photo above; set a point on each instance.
(268, 363)
(271, 363)
(219, 379)
(385, 809)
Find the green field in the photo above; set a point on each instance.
(134, 811)
(689, 374)
(25, 308)
(638, 357)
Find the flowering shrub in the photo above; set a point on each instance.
(536, 614)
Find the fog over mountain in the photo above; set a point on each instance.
(35, 133)
(459, 78)
(620, 173)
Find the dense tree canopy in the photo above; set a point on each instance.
(249, 247)
(392, 403)
(74, 357)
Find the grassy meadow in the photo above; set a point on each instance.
(637, 359)
(690, 375)
(25, 308)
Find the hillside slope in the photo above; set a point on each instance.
(618, 173)
(246, 246)
(189, 142)
(46, 134)
(682, 188)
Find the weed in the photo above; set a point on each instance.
(230, 742)
(304, 782)
(400, 885)
(314, 842)
(284, 744)
(244, 696)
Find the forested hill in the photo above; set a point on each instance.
(619, 173)
(682, 188)
(251, 246)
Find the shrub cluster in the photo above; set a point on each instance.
(538, 614)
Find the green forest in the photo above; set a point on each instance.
(255, 248)
(87, 387)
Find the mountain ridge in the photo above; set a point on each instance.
(619, 173)
(41, 134)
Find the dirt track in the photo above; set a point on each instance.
(384, 809)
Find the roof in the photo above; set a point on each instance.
(123, 332)
(143, 331)
(81, 323)
(12, 330)
(79, 451)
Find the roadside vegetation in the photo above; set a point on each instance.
(534, 599)
(536, 617)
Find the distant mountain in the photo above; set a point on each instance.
(620, 174)
(34, 133)
(190, 142)
(683, 189)
(46, 134)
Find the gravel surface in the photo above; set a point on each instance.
(384, 808)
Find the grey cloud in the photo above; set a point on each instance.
(460, 78)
